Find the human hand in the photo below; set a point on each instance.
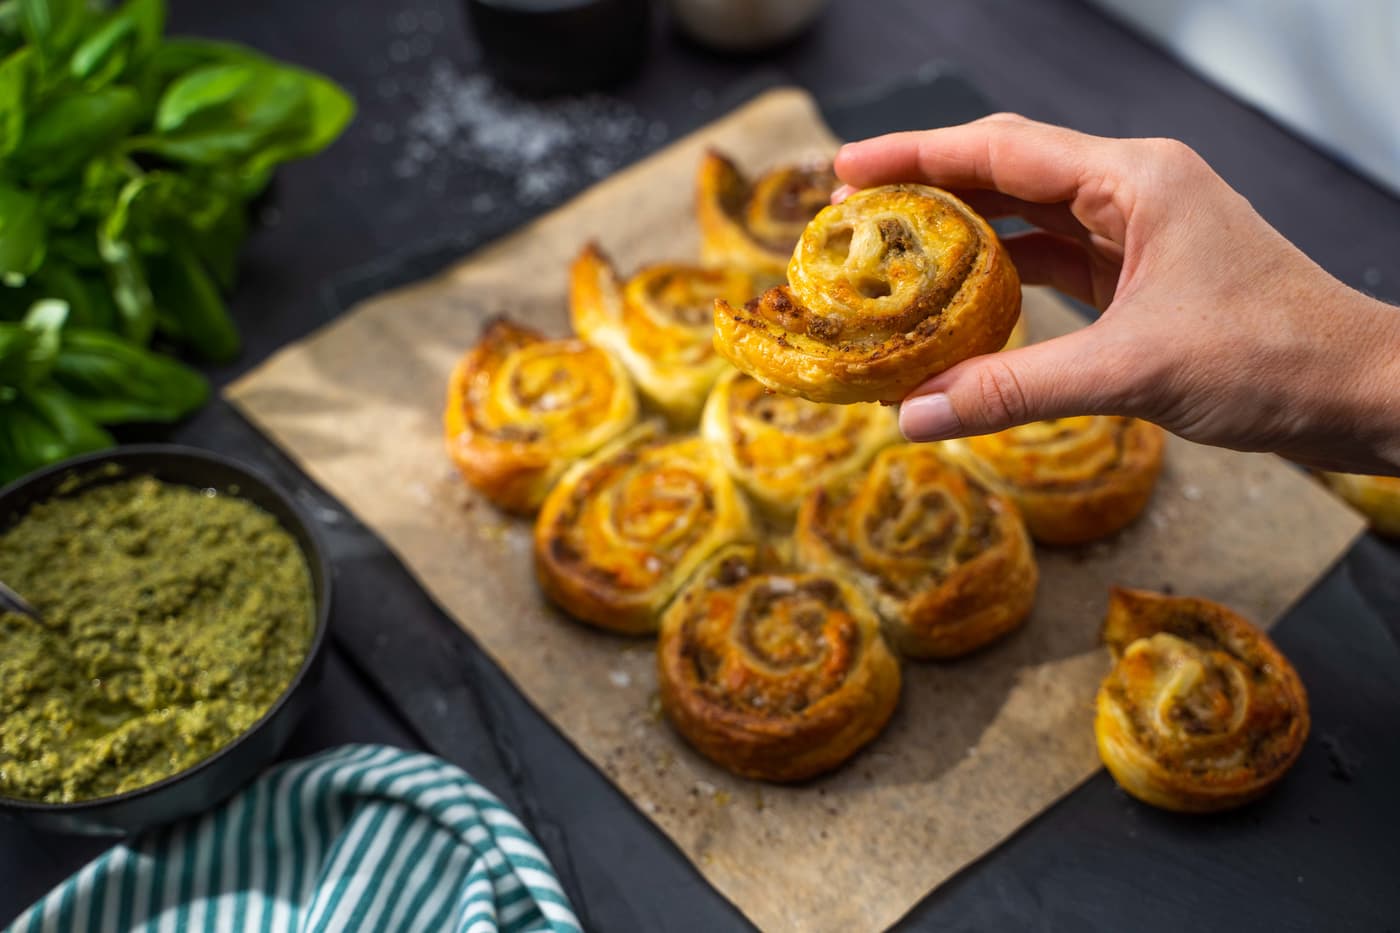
(1214, 326)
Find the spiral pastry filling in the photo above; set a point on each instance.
(887, 288)
(1075, 479)
(520, 409)
(1201, 712)
(754, 225)
(943, 557)
(626, 528)
(780, 447)
(774, 675)
(660, 323)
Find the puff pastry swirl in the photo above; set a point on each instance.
(1376, 497)
(1075, 479)
(1200, 712)
(887, 288)
(774, 675)
(625, 528)
(941, 554)
(521, 409)
(753, 225)
(779, 447)
(659, 323)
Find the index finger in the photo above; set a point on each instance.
(1034, 163)
(1018, 157)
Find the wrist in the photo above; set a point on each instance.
(1372, 381)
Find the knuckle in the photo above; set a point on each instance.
(1171, 155)
(1001, 395)
(1005, 116)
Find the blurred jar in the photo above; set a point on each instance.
(561, 46)
(744, 25)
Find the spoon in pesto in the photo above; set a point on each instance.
(12, 601)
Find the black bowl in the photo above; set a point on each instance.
(216, 777)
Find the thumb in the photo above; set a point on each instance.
(1069, 375)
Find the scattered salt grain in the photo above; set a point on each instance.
(620, 678)
(705, 788)
(546, 149)
(1191, 493)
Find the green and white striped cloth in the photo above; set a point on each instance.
(359, 838)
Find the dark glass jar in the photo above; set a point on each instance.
(561, 46)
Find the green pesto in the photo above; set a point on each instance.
(173, 617)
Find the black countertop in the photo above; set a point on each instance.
(1320, 853)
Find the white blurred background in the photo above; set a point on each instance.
(1328, 69)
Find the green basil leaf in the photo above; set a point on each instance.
(86, 294)
(126, 273)
(326, 113)
(77, 432)
(41, 426)
(28, 349)
(225, 113)
(27, 440)
(22, 234)
(126, 37)
(187, 298)
(54, 27)
(114, 382)
(17, 344)
(11, 32)
(63, 136)
(14, 77)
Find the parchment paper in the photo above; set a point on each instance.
(977, 748)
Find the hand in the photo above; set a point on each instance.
(1214, 326)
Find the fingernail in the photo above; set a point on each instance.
(928, 418)
(841, 194)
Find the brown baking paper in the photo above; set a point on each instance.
(977, 748)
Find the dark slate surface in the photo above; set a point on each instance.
(1319, 854)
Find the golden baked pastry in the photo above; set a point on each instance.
(624, 529)
(774, 675)
(1075, 479)
(779, 447)
(1376, 497)
(1200, 712)
(521, 409)
(942, 556)
(1020, 335)
(754, 225)
(891, 286)
(659, 323)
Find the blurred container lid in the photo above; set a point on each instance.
(744, 25)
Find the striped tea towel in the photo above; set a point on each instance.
(358, 838)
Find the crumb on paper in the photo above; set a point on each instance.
(620, 678)
(1191, 492)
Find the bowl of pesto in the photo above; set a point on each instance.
(182, 605)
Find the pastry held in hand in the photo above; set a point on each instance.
(1075, 480)
(891, 286)
(754, 225)
(659, 323)
(942, 555)
(521, 409)
(625, 528)
(780, 447)
(1376, 497)
(1200, 712)
(774, 675)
